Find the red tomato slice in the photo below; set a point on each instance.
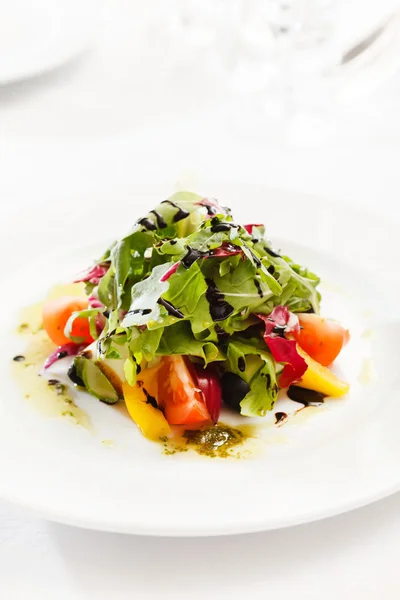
(56, 313)
(322, 339)
(183, 403)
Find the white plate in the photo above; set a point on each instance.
(38, 36)
(341, 457)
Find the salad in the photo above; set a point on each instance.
(192, 311)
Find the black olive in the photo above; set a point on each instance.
(234, 389)
(74, 377)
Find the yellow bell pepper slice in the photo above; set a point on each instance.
(149, 419)
(321, 379)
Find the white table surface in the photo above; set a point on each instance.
(102, 123)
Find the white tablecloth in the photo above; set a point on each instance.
(102, 123)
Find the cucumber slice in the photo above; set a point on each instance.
(75, 371)
(95, 381)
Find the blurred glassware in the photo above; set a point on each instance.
(272, 53)
(38, 36)
(277, 58)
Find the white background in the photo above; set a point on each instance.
(119, 115)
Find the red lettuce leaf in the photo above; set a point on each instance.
(277, 324)
(93, 274)
(70, 349)
(208, 382)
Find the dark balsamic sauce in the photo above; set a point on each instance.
(241, 364)
(305, 396)
(211, 210)
(219, 227)
(280, 417)
(19, 358)
(150, 399)
(271, 269)
(141, 311)
(62, 354)
(271, 252)
(222, 335)
(147, 224)
(191, 256)
(257, 261)
(181, 214)
(259, 290)
(161, 224)
(170, 308)
(279, 330)
(220, 309)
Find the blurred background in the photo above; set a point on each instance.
(98, 94)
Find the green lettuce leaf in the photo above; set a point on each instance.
(178, 339)
(144, 344)
(251, 360)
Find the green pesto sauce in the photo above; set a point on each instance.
(218, 441)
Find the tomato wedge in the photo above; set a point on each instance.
(182, 402)
(56, 313)
(321, 338)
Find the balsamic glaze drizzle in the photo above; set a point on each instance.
(258, 286)
(136, 311)
(272, 252)
(220, 309)
(170, 308)
(305, 396)
(161, 224)
(241, 364)
(181, 214)
(280, 417)
(147, 224)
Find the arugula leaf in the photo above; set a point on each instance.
(145, 344)
(120, 257)
(186, 292)
(178, 339)
(106, 290)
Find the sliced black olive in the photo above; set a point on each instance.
(234, 389)
(74, 377)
